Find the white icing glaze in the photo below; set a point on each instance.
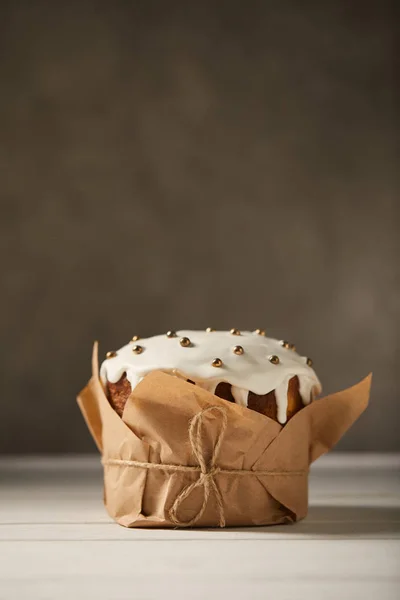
(281, 397)
(306, 389)
(250, 371)
(240, 395)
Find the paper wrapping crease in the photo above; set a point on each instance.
(182, 456)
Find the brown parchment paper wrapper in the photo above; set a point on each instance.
(180, 456)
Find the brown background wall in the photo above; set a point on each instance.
(184, 164)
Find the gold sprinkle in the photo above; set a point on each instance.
(287, 345)
(171, 334)
(235, 331)
(274, 359)
(135, 338)
(217, 362)
(238, 350)
(185, 342)
(137, 349)
(310, 362)
(111, 354)
(210, 330)
(260, 332)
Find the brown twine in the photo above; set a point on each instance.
(207, 471)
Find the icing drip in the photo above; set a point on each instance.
(306, 389)
(281, 397)
(249, 371)
(240, 395)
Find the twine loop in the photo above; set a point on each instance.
(207, 472)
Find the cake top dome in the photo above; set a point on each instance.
(249, 361)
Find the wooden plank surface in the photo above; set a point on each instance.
(56, 541)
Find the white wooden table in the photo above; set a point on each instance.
(57, 542)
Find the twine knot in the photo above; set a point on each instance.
(210, 473)
(207, 471)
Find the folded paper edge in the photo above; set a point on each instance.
(95, 359)
(88, 403)
(356, 399)
(90, 410)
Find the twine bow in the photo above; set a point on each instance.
(207, 472)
